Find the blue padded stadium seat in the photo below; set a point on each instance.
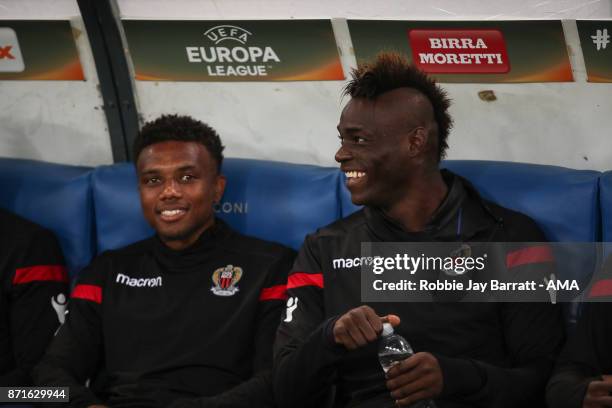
(119, 219)
(285, 201)
(605, 197)
(57, 197)
(276, 201)
(564, 202)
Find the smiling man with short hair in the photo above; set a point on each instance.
(185, 318)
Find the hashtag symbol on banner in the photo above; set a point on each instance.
(601, 39)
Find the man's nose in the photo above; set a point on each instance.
(343, 154)
(171, 190)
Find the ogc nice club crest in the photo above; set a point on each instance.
(225, 280)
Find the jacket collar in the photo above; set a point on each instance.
(461, 215)
(197, 253)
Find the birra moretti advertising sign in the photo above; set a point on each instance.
(459, 51)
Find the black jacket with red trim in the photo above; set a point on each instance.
(491, 354)
(33, 290)
(587, 356)
(151, 326)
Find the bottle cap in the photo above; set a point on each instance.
(387, 329)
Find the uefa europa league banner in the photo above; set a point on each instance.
(245, 50)
(596, 46)
(38, 50)
(471, 51)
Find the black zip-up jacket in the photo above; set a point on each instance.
(163, 325)
(587, 356)
(491, 354)
(33, 291)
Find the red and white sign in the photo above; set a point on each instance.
(10, 53)
(455, 51)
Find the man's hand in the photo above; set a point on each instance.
(416, 378)
(598, 394)
(360, 326)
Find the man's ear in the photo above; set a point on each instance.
(417, 141)
(219, 187)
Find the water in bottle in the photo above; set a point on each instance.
(393, 348)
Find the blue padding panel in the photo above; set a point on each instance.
(280, 202)
(285, 201)
(605, 197)
(119, 219)
(564, 202)
(57, 197)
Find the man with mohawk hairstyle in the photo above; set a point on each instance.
(393, 134)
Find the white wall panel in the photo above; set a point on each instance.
(57, 121)
(397, 9)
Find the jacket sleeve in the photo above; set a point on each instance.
(76, 351)
(37, 289)
(257, 390)
(533, 334)
(305, 356)
(585, 358)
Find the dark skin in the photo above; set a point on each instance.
(599, 393)
(393, 140)
(389, 152)
(179, 184)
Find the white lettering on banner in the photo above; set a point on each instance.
(139, 282)
(220, 61)
(601, 39)
(240, 70)
(236, 54)
(460, 43)
(430, 58)
(227, 32)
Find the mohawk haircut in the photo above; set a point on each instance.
(389, 71)
(180, 128)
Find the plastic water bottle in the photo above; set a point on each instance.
(393, 348)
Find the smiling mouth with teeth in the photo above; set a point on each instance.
(172, 214)
(354, 174)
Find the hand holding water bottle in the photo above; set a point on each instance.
(415, 378)
(360, 326)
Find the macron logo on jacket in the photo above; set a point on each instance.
(140, 282)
